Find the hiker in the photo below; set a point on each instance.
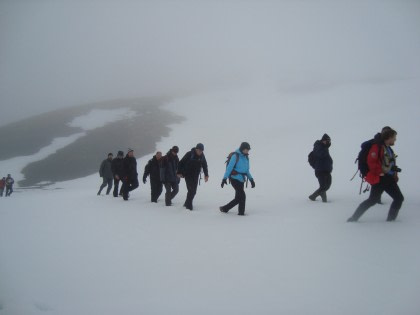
(105, 171)
(130, 177)
(9, 185)
(237, 170)
(323, 165)
(152, 169)
(169, 174)
(2, 185)
(117, 172)
(383, 176)
(362, 166)
(189, 168)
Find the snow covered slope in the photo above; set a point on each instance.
(68, 251)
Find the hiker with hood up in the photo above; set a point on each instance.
(9, 185)
(118, 171)
(323, 165)
(130, 177)
(168, 174)
(152, 169)
(237, 170)
(190, 168)
(105, 171)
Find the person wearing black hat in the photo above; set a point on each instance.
(323, 167)
(189, 168)
(105, 171)
(130, 176)
(168, 174)
(118, 171)
(152, 169)
(237, 170)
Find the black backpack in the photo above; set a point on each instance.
(312, 159)
(361, 160)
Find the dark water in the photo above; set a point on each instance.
(83, 157)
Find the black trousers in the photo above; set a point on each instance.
(192, 184)
(240, 197)
(129, 185)
(106, 182)
(389, 185)
(324, 180)
(156, 187)
(116, 186)
(1, 192)
(172, 189)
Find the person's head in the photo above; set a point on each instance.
(158, 155)
(199, 149)
(386, 128)
(110, 156)
(130, 152)
(245, 147)
(389, 137)
(174, 150)
(326, 139)
(8, 175)
(4, 178)
(120, 154)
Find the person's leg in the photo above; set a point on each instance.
(104, 183)
(317, 192)
(168, 188)
(175, 189)
(159, 190)
(125, 189)
(134, 183)
(192, 184)
(154, 187)
(1, 192)
(394, 191)
(235, 201)
(325, 184)
(116, 186)
(375, 194)
(109, 180)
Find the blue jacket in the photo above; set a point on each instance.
(242, 167)
(324, 162)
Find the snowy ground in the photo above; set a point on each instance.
(68, 251)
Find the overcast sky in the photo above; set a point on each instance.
(62, 53)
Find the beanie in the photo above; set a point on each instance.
(200, 146)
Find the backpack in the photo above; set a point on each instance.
(361, 160)
(312, 159)
(229, 157)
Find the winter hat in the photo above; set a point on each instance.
(326, 137)
(120, 153)
(200, 146)
(130, 150)
(175, 149)
(110, 154)
(244, 146)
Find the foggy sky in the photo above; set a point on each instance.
(62, 53)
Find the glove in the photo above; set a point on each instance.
(252, 183)
(224, 182)
(144, 180)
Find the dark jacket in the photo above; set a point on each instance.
(105, 170)
(117, 167)
(191, 165)
(323, 162)
(169, 168)
(130, 167)
(2, 183)
(152, 168)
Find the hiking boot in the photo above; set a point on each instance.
(223, 210)
(351, 219)
(312, 197)
(189, 208)
(241, 214)
(324, 196)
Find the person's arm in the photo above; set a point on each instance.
(147, 170)
(101, 169)
(205, 168)
(181, 165)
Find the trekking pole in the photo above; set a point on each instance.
(361, 187)
(354, 175)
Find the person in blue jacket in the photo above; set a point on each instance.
(238, 172)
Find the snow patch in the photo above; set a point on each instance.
(98, 118)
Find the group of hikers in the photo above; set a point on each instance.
(6, 183)
(376, 164)
(167, 171)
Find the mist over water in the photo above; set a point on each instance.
(56, 54)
